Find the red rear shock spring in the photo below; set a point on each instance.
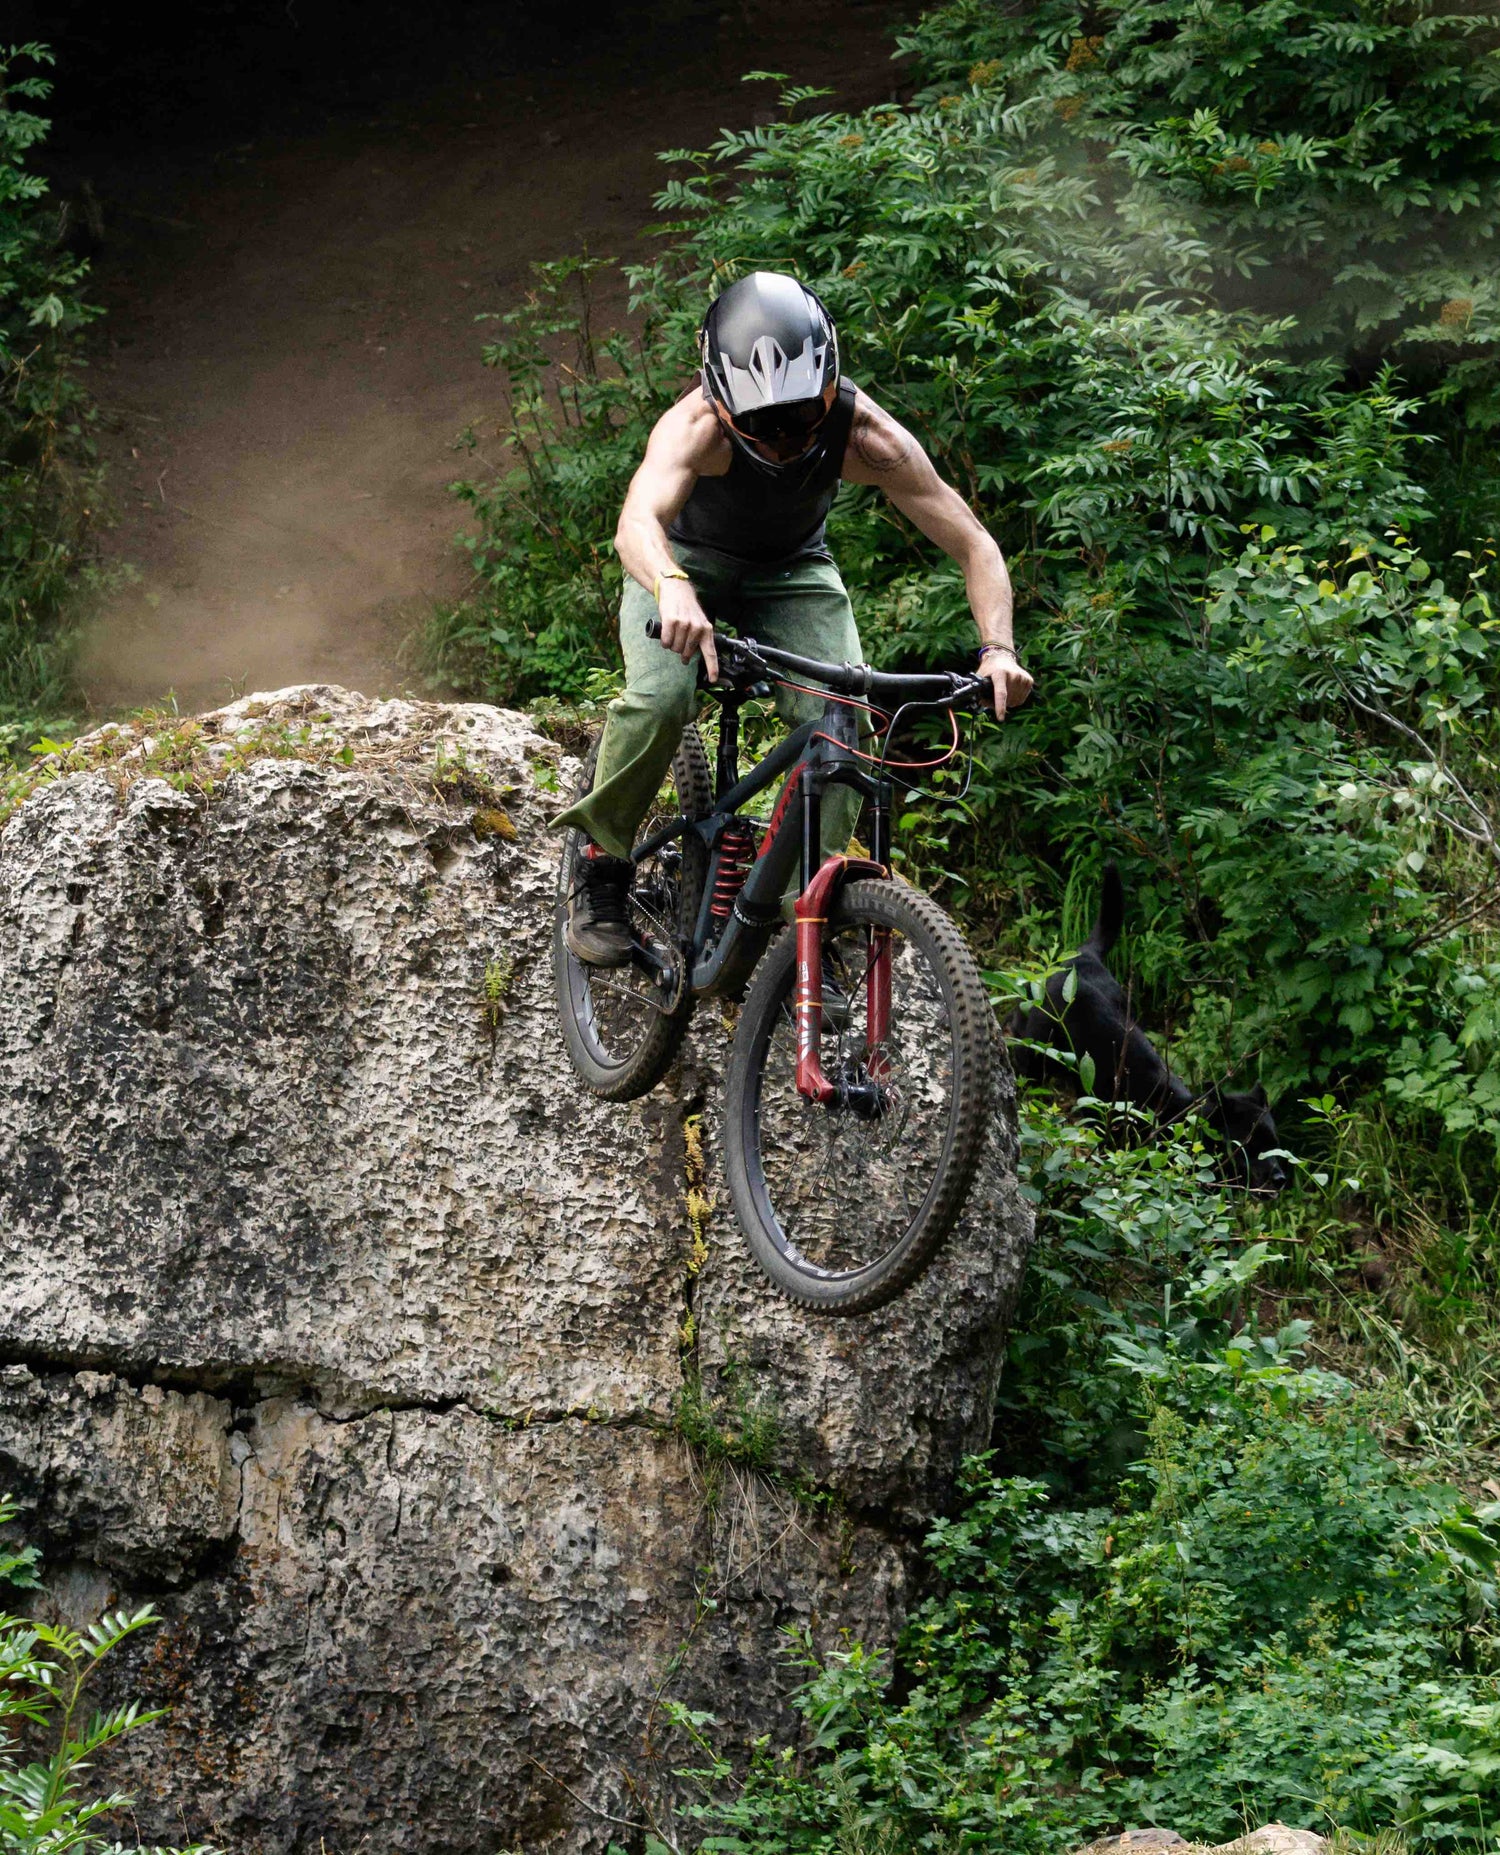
(736, 854)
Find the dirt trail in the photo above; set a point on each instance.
(292, 347)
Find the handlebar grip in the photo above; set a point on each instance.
(653, 628)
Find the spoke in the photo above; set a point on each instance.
(599, 983)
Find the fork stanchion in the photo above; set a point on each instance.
(812, 826)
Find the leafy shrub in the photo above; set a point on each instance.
(1336, 163)
(1226, 1601)
(1269, 1619)
(1067, 304)
(46, 477)
(47, 1743)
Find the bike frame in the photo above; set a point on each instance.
(818, 754)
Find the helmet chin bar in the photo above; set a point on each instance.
(750, 449)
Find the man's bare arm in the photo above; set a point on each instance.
(680, 446)
(883, 453)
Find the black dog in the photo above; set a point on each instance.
(1095, 1022)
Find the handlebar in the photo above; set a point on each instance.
(744, 660)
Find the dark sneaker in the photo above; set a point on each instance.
(598, 931)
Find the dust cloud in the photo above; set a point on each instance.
(291, 349)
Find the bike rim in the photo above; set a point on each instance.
(839, 1189)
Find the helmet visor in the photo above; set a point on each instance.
(791, 423)
(784, 432)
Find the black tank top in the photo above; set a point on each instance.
(750, 515)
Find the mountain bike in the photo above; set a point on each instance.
(858, 1091)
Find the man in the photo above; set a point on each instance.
(729, 504)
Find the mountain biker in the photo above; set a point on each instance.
(729, 504)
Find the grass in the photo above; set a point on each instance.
(736, 1424)
(191, 755)
(197, 754)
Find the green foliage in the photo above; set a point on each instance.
(1268, 1616)
(1307, 785)
(1054, 266)
(18, 1564)
(1139, 1258)
(46, 475)
(735, 1422)
(1335, 161)
(1226, 1600)
(47, 1742)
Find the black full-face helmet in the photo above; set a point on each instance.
(771, 365)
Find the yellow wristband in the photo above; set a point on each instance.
(667, 573)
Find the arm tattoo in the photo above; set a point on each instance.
(884, 452)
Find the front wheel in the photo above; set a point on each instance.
(844, 1206)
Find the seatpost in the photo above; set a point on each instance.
(727, 760)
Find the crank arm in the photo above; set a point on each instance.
(647, 960)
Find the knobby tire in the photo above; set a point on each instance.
(773, 1188)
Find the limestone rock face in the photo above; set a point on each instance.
(336, 1320)
(1269, 1839)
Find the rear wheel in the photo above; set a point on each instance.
(623, 1025)
(844, 1206)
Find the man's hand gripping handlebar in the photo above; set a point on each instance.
(683, 627)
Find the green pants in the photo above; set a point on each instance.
(802, 607)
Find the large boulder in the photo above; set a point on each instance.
(339, 1322)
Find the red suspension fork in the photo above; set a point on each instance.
(878, 991)
(814, 906)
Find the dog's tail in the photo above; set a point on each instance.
(1111, 918)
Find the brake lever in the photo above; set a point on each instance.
(741, 665)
